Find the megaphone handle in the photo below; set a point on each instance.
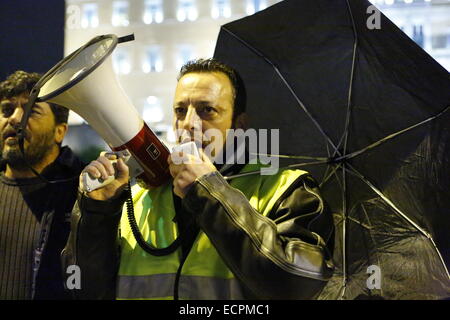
(91, 184)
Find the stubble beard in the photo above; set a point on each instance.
(35, 152)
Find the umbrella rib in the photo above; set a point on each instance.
(344, 231)
(328, 174)
(337, 177)
(398, 211)
(389, 137)
(306, 110)
(373, 240)
(361, 224)
(350, 89)
(344, 221)
(285, 156)
(345, 135)
(322, 160)
(300, 103)
(328, 150)
(325, 174)
(296, 165)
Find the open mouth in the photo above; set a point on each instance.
(9, 135)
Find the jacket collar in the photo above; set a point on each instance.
(65, 165)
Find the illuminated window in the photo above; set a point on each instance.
(120, 14)
(185, 54)
(186, 10)
(255, 6)
(153, 111)
(121, 61)
(440, 41)
(417, 34)
(153, 11)
(221, 9)
(90, 15)
(152, 60)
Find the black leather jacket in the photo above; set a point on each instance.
(294, 264)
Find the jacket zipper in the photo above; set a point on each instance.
(47, 220)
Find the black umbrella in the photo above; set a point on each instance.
(366, 111)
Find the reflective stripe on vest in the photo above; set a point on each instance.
(161, 286)
(204, 274)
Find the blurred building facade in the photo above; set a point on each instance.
(427, 22)
(170, 32)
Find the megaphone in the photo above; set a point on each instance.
(85, 82)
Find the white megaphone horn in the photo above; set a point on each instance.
(85, 82)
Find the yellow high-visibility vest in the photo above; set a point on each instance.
(204, 274)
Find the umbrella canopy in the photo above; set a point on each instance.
(366, 111)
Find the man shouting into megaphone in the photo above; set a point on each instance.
(215, 237)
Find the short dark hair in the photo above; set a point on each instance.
(22, 82)
(214, 65)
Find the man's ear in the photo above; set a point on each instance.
(60, 132)
(241, 121)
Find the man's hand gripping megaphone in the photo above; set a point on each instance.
(105, 177)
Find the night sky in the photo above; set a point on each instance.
(31, 36)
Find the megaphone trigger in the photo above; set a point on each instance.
(124, 154)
